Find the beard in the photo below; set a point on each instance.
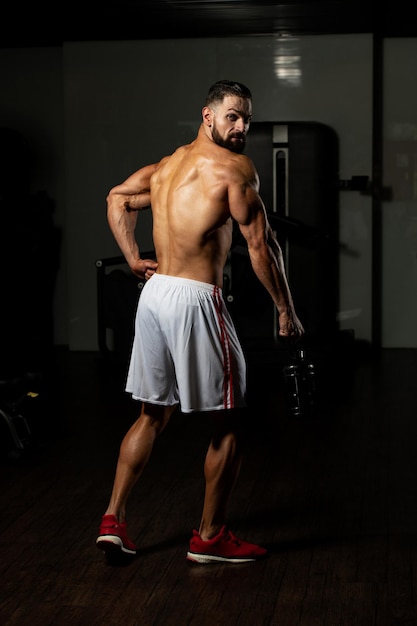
(234, 146)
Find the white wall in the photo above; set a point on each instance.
(399, 246)
(129, 103)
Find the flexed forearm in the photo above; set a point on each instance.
(122, 222)
(268, 264)
(123, 203)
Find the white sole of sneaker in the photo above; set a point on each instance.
(211, 558)
(112, 543)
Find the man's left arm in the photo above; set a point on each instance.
(265, 253)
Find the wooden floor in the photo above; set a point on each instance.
(333, 496)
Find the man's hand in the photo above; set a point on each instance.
(144, 268)
(290, 326)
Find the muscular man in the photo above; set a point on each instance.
(186, 353)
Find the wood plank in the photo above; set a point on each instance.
(334, 499)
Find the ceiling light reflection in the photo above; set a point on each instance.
(287, 61)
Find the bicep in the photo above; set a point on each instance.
(134, 192)
(248, 210)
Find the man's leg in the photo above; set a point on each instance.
(221, 469)
(214, 541)
(135, 451)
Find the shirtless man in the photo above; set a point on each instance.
(186, 353)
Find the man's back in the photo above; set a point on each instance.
(191, 212)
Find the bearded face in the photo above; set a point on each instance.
(234, 141)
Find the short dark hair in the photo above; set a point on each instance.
(223, 88)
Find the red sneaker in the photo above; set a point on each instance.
(113, 536)
(223, 547)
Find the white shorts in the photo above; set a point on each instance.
(186, 350)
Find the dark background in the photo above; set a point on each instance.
(37, 24)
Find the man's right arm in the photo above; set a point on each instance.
(123, 203)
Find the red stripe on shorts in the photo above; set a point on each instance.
(228, 399)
